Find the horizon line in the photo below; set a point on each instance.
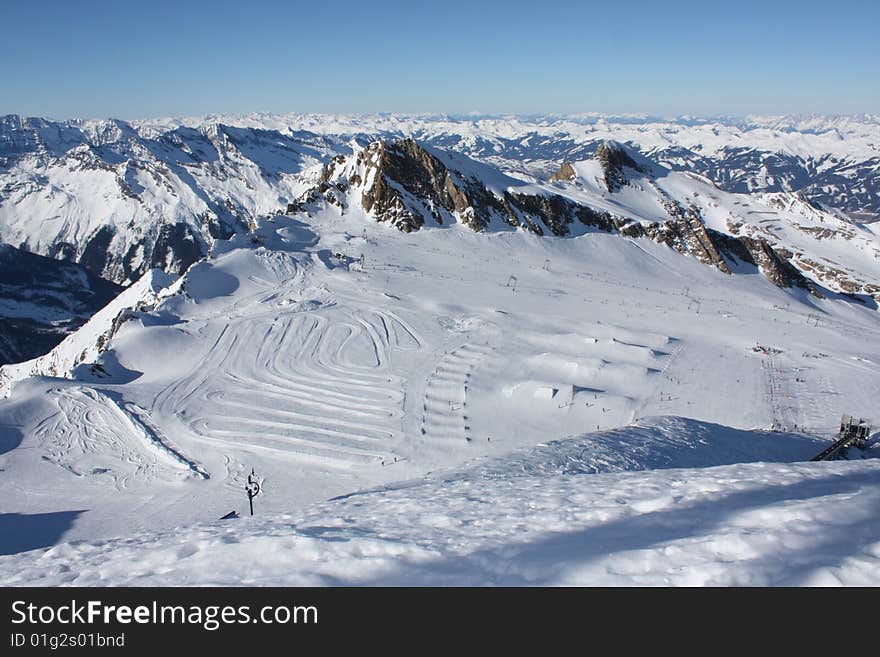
(463, 116)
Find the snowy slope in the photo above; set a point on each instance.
(87, 343)
(833, 159)
(524, 524)
(120, 201)
(477, 401)
(333, 359)
(825, 245)
(410, 185)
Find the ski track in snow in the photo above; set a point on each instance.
(318, 386)
(305, 370)
(92, 435)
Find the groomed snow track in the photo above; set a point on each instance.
(318, 386)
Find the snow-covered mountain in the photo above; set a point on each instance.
(121, 198)
(410, 185)
(833, 160)
(42, 301)
(489, 370)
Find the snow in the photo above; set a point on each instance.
(328, 380)
(63, 182)
(416, 420)
(63, 193)
(85, 344)
(785, 220)
(791, 134)
(754, 524)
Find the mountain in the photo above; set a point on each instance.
(791, 239)
(121, 198)
(833, 160)
(334, 361)
(410, 185)
(120, 201)
(411, 342)
(42, 301)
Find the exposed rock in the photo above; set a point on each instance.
(555, 212)
(614, 158)
(836, 278)
(565, 173)
(403, 184)
(775, 266)
(405, 167)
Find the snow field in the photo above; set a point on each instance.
(329, 377)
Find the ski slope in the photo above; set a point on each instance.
(534, 520)
(335, 355)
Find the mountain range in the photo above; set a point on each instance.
(794, 197)
(121, 197)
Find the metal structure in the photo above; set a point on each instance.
(858, 430)
(253, 489)
(853, 433)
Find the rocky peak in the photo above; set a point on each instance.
(407, 185)
(614, 158)
(404, 184)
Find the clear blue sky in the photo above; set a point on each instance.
(157, 57)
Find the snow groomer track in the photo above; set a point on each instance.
(314, 385)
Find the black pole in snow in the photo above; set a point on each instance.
(253, 489)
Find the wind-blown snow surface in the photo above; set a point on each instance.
(526, 523)
(334, 359)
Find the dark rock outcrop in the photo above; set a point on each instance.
(405, 167)
(403, 184)
(613, 158)
(775, 266)
(565, 173)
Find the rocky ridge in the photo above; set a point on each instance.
(408, 186)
